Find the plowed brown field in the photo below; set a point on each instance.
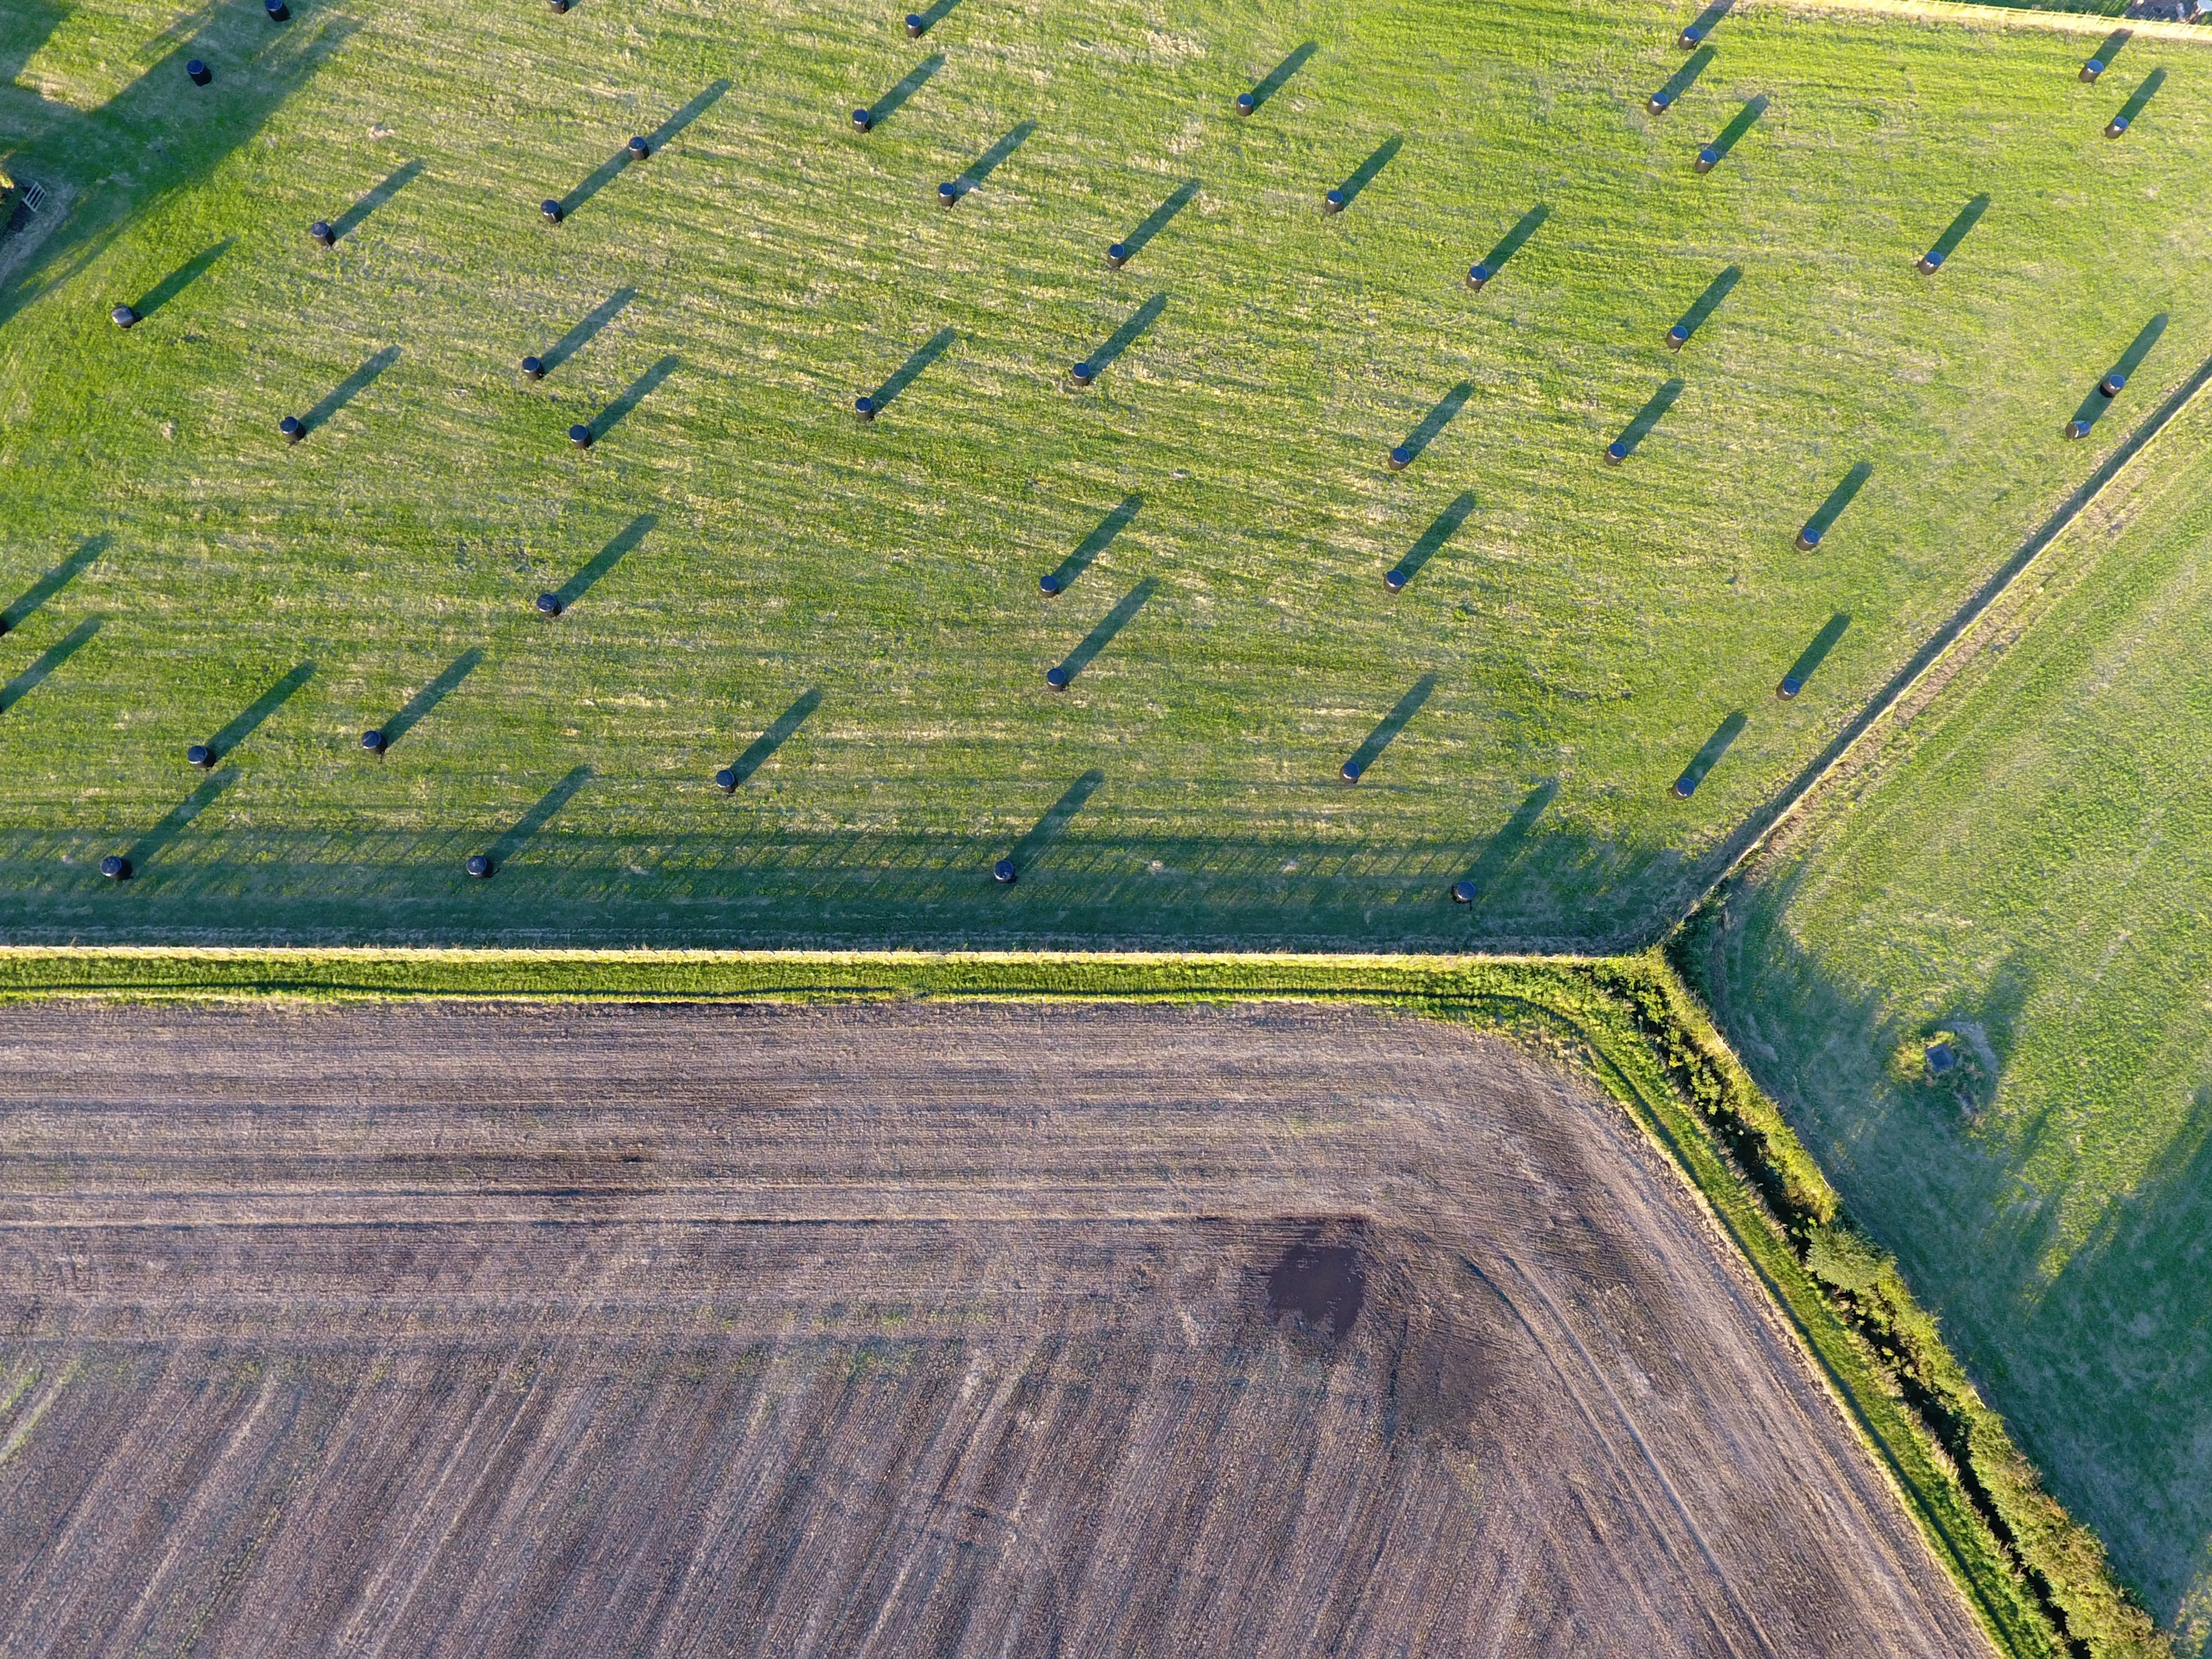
(538, 1331)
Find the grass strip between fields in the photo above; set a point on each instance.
(2037, 1580)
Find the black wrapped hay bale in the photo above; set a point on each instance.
(2118, 126)
(1677, 337)
(558, 5)
(915, 26)
(1333, 203)
(1117, 255)
(948, 193)
(1930, 263)
(1351, 771)
(2077, 428)
(1083, 374)
(1246, 103)
(549, 604)
(551, 209)
(1477, 275)
(2093, 69)
(581, 436)
(478, 866)
(1708, 159)
(1615, 452)
(533, 369)
(1689, 37)
(639, 150)
(865, 407)
(1395, 579)
(372, 741)
(1048, 585)
(1002, 872)
(278, 11)
(199, 756)
(727, 781)
(1661, 101)
(1685, 787)
(199, 73)
(1056, 678)
(1463, 892)
(124, 317)
(1399, 458)
(322, 232)
(863, 120)
(293, 428)
(115, 867)
(2113, 384)
(1790, 686)
(1808, 538)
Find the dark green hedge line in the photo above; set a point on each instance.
(2089, 1613)
(2038, 1579)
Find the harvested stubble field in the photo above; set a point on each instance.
(516, 1330)
(738, 556)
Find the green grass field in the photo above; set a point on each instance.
(2030, 868)
(1571, 646)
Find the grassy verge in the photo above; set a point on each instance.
(2036, 1580)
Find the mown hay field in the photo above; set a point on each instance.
(850, 616)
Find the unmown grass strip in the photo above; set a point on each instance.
(2036, 1579)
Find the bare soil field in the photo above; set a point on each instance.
(893, 1329)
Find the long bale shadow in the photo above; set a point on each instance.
(587, 330)
(1794, 679)
(1432, 424)
(1126, 336)
(47, 661)
(150, 845)
(759, 751)
(908, 84)
(1273, 82)
(2097, 400)
(1100, 539)
(1702, 763)
(918, 359)
(244, 722)
(54, 580)
(350, 388)
(1124, 611)
(351, 220)
(1158, 220)
(1824, 516)
(1363, 175)
(618, 546)
(634, 394)
(180, 279)
(1388, 728)
(1048, 829)
(1646, 419)
(1501, 848)
(1441, 529)
(419, 705)
(1733, 134)
(510, 842)
(972, 176)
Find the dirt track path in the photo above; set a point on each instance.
(888, 1331)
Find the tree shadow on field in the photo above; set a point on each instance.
(2099, 1367)
(161, 134)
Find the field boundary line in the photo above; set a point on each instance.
(1937, 649)
(1963, 12)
